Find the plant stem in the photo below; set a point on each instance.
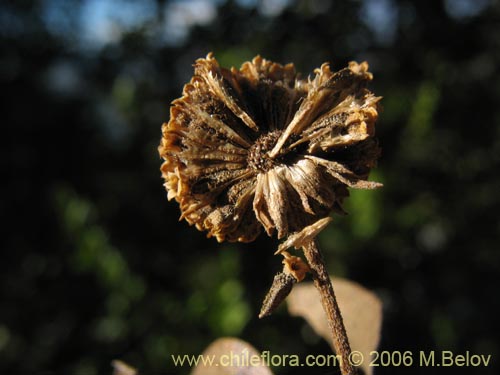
(325, 288)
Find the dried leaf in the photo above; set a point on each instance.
(233, 350)
(121, 368)
(360, 308)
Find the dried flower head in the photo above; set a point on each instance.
(260, 147)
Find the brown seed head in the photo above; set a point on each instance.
(258, 147)
(258, 154)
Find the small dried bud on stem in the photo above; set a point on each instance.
(280, 289)
(294, 270)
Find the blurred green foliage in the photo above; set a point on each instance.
(95, 264)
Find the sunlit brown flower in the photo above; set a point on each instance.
(260, 147)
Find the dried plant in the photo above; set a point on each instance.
(259, 147)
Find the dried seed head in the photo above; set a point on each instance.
(257, 147)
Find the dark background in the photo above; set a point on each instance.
(94, 263)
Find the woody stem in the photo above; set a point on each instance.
(324, 285)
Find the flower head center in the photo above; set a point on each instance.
(258, 157)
